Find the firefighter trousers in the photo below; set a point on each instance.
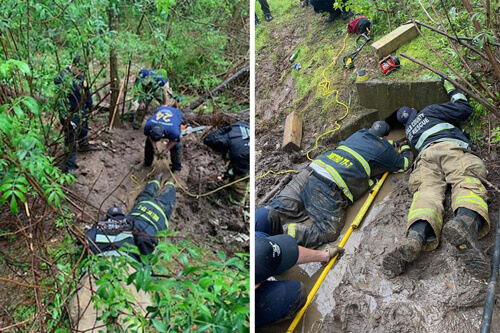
(439, 165)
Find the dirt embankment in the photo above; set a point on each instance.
(435, 294)
(114, 175)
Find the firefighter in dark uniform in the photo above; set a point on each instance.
(149, 216)
(445, 157)
(322, 191)
(326, 6)
(150, 85)
(165, 123)
(233, 142)
(73, 114)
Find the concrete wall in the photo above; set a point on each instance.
(387, 97)
(363, 121)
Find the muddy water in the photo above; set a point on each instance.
(323, 304)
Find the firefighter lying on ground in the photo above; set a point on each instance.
(321, 192)
(233, 142)
(445, 157)
(150, 215)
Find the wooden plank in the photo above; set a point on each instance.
(392, 41)
(293, 132)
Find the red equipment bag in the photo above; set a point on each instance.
(360, 25)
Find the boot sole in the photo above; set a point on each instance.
(469, 253)
(393, 263)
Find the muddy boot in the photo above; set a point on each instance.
(405, 252)
(331, 17)
(461, 232)
(239, 191)
(176, 158)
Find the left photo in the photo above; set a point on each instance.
(124, 166)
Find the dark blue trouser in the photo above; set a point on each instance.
(278, 300)
(149, 205)
(175, 155)
(74, 134)
(265, 7)
(325, 6)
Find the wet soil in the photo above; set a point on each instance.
(435, 294)
(114, 175)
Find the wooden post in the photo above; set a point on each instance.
(393, 40)
(293, 132)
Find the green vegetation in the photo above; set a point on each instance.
(198, 44)
(294, 27)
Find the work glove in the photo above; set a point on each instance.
(333, 251)
(399, 143)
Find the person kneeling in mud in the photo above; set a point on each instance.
(322, 191)
(445, 156)
(233, 142)
(276, 301)
(165, 123)
(149, 216)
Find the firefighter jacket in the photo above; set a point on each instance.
(79, 95)
(170, 119)
(150, 84)
(232, 142)
(359, 158)
(106, 237)
(435, 124)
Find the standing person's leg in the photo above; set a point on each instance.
(140, 114)
(149, 153)
(266, 10)
(176, 157)
(276, 301)
(70, 142)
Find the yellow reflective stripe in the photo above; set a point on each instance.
(370, 182)
(468, 180)
(422, 211)
(291, 229)
(154, 181)
(433, 130)
(360, 158)
(145, 217)
(471, 198)
(338, 180)
(159, 209)
(405, 167)
(415, 196)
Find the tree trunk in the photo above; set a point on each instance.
(113, 66)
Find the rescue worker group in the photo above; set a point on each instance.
(311, 209)
(154, 205)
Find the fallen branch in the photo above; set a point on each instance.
(276, 189)
(213, 92)
(484, 103)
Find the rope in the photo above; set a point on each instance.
(326, 85)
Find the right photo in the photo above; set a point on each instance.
(377, 133)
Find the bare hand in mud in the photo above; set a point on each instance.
(333, 251)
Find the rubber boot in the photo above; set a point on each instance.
(406, 251)
(462, 232)
(331, 17)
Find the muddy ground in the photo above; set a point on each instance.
(114, 175)
(435, 294)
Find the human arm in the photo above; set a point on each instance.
(451, 111)
(308, 255)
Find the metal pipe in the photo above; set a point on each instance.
(490, 295)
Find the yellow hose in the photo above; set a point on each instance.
(355, 223)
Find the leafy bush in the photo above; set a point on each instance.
(194, 293)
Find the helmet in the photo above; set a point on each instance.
(156, 133)
(115, 213)
(404, 114)
(380, 128)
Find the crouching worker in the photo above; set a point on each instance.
(150, 215)
(165, 123)
(150, 85)
(276, 301)
(445, 157)
(321, 192)
(233, 142)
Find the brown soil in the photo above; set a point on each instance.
(435, 294)
(114, 175)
